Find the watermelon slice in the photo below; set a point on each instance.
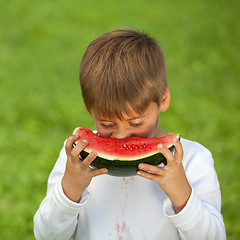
(122, 156)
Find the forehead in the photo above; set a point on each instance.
(130, 114)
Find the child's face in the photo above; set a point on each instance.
(144, 125)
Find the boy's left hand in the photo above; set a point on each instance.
(171, 177)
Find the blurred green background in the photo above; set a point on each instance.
(41, 44)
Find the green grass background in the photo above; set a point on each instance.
(41, 44)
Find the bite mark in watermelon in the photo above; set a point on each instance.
(122, 156)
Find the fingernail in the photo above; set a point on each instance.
(174, 140)
(93, 153)
(105, 171)
(140, 166)
(160, 145)
(85, 141)
(76, 134)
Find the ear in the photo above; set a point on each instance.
(165, 101)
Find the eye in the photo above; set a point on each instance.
(107, 125)
(137, 124)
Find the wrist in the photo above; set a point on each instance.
(180, 199)
(70, 192)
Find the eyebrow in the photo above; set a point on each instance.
(129, 119)
(134, 118)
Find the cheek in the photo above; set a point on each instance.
(105, 133)
(147, 131)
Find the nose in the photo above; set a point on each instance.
(120, 134)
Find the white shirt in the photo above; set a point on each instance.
(134, 208)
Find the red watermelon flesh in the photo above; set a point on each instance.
(127, 149)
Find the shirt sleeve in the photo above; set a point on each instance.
(201, 217)
(57, 215)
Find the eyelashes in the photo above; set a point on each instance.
(136, 124)
(131, 124)
(107, 125)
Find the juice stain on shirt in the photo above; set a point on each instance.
(122, 230)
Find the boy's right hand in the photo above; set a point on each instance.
(78, 173)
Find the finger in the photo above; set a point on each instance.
(150, 168)
(98, 172)
(69, 143)
(178, 150)
(166, 153)
(148, 175)
(77, 149)
(89, 159)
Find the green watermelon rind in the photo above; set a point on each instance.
(124, 168)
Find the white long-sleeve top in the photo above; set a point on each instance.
(134, 208)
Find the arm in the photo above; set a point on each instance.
(53, 209)
(57, 215)
(195, 213)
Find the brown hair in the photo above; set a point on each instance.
(122, 68)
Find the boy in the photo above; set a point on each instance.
(124, 87)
